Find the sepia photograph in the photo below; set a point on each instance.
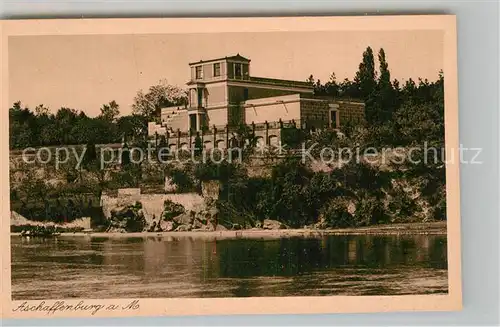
(231, 164)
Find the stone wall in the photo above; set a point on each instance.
(354, 111)
(154, 128)
(217, 138)
(152, 204)
(314, 113)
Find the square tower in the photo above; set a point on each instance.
(208, 89)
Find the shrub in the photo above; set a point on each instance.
(183, 180)
(336, 214)
(369, 211)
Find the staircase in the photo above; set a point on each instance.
(177, 119)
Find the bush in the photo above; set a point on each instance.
(369, 211)
(183, 180)
(336, 215)
(292, 137)
(61, 209)
(401, 205)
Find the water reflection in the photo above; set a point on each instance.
(88, 267)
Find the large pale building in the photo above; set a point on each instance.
(223, 94)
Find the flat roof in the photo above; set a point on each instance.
(236, 57)
(281, 82)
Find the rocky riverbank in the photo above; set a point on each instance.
(432, 228)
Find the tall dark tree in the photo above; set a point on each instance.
(387, 95)
(366, 76)
(198, 145)
(125, 155)
(383, 101)
(90, 155)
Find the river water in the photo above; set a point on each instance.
(149, 267)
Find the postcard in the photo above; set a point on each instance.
(209, 166)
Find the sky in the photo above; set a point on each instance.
(85, 71)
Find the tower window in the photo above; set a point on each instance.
(199, 72)
(217, 69)
(237, 70)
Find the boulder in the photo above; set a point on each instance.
(116, 230)
(220, 228)
(167, 226)
(202, 217)
(213, 213)
(170, 186)
(272, 224)
(198, 224)
(211, 227)
(130, 218)
(183, 219)
(171, 210)
(183, 228)
(153, 227)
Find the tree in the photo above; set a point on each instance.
(385, 75)
(41, 110)
(23, 127)
(110, 111)
(158, 96)
(133, 127)
(349, 89)
(125, 156)
(163, 142)
(331, 87)
(388, 99)
(198, 145)
(90, 156)
(383, 100)
(310, 80)
(366, 76)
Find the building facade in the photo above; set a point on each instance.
(224, 95)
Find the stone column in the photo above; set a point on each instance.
(267, 134)
(215, 137)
